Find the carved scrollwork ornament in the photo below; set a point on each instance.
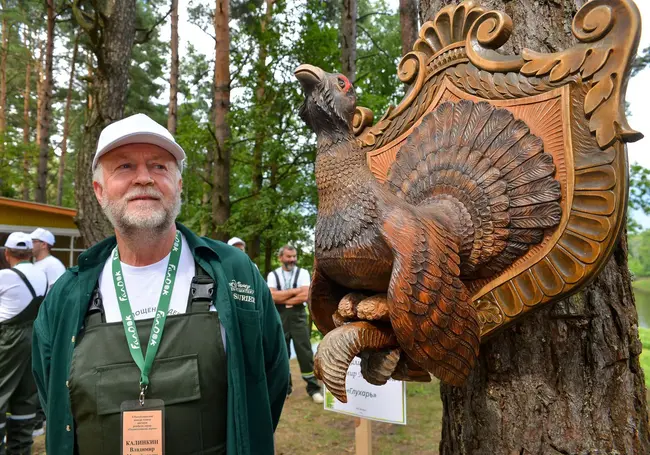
(489, 311)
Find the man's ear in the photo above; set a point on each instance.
(99, 191)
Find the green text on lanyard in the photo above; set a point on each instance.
(128, 319)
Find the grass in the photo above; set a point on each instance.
(39, 446)
(306, 428)
(644, 335)
(641, 284)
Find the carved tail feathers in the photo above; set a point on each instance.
(485, 166)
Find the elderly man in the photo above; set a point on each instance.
(214, 372)
(22, 287)
(42, 243)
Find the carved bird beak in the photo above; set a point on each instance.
(309, 76)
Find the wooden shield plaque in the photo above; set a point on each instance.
(572, 100)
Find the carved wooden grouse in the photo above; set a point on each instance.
(415, 262)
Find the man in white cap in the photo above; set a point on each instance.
(218, 367)
(22, 288)
(237, 243)
(42, 243)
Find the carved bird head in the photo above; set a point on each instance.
(330, 101)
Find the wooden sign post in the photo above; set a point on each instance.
(363, 436)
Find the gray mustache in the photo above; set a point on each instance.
(144, 193)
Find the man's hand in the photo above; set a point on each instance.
(300, 297)
(282, 297)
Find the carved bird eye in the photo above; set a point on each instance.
(342, 82)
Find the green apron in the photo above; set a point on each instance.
(18, 395)
(189, 375)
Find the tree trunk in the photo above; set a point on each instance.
(66, 122)
(408, 20)
(109, 86)
(255, 243)
(3, 78)
(273, 185)
(349, 39)
(206, 226)
(40, 85)
(27, 164)
(46, 111)
(269, 252)
(172, 116)
(566, 379)
(89, 85)
(221, 162)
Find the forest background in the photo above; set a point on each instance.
(239, 125)
(227, 92)
(219, 75)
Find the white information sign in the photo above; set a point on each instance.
(386, 403)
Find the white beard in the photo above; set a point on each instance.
(129, 219)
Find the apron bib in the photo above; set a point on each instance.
(189, 374)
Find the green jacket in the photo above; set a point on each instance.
(258, 367)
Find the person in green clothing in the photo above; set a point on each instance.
(158, 337)
(289, 286)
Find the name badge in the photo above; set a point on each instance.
(143, 427)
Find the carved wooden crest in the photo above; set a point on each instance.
(572, 100)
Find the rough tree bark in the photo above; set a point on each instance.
(221, 107)
(349, 39)
(269, 252)
(172, 115)
(89, 84)
(40, 86)
(27, 95)
(66, 122)
(3, 78)
(254, 245)
(567, 379)
(408, 20)
(111, 41)
(45, 112)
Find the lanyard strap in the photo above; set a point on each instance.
(128, 318)
(284, 278)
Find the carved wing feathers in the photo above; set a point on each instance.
(485, 165)
(432, 314)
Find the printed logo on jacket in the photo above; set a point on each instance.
(242, 291)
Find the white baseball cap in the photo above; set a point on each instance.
(235, 241)
(43, 235)
(18, 241)
(137, 129)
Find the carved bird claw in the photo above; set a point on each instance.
(377, 366)
(356, 306)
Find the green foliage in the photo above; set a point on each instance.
(639, 198)
(640, 62)
(639, 253)
(644, 335)
(304, 31)
(284, 209)
(147, 73)
(379, 49)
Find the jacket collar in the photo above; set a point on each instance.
(196, 243)
(99, 253)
